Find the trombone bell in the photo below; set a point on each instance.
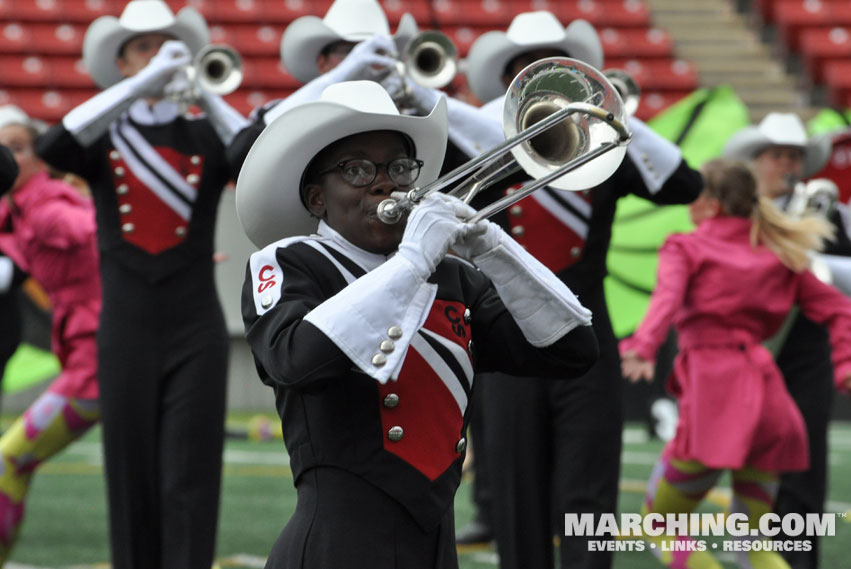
(543, 88)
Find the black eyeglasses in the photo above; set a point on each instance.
(360, 172)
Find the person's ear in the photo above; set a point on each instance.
(322, 63)
(713, 207)
(315, 199)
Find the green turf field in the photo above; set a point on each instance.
(66, 516)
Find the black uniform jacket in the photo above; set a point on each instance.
(406, 437)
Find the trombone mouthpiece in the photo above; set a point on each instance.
(389, 211)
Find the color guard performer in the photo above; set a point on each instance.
(564, 436)
(370, 335)
(778, 148)
(156, 177)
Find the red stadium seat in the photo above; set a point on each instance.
(61, 38)
(654, 102)
(421, 11)
(7, 10)
(206, 7)
(238, 11)
(69, 72)
(39, 10)
(793, 16)
(15, 38)
(50, 105)
(819, 45)
(659, 75)
(257, 40)
(267, 73)
(637, 43)
(285, 11)
(246, 100)
(615, 14)
(86, 11)
(463, 37)
(484, 13)
(25, 71)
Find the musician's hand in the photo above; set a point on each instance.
(480, 237)
(635, 368)
(152, 79)
(433, 227)
(371, 59)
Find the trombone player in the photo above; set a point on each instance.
(563, 435)
(156, 177)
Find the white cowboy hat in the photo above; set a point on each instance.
(780, 129)
(346, 20)
(267, 191)
(107, 34)
(10, 114)
(492, 51)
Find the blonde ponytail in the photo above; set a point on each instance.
(733, 184)
(791, 239)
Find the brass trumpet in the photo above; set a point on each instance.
(216, 69)
(626, 87)
(565, 125)
(429, 59)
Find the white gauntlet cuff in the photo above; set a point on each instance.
(374, 318)
(543, 306)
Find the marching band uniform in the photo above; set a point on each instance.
(156, 177)
(804, 358)
(371, 357)
(564, 435)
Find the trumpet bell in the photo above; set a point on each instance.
(431, 59)
(218, 69)
(543, 88)
(626, 87)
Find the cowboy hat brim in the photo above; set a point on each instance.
(267, 191)
(750, 141)
(492, 51)
(106, 35)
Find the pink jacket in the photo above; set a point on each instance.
(724, 297)
(50, 234)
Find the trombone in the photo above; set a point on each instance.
(565, 125)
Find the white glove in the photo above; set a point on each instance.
(480, 238)
(152, 79)
(377, 51)
(433, 227)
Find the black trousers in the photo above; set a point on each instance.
(343, 522)
(554, 448)
(805, 363)
(163, 368)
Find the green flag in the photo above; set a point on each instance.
(700, 125)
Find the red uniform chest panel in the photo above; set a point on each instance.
(420, 405)
(148, 219)
(548, 238)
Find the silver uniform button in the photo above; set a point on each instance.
(518, 230)
(575, 251)
(510, 191)
(193, 178)
(468, 316)
(114, 155)
(391, 400)
(125, 208)
(379, 360)
(394, 332)
(128, 228)
(195, 160)
(516, 210)
(266, 302)
(119, 171)
(387, 346)
(180, 231)
(461, 446)
(122, 189)
(395, 433)
(470, 346)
